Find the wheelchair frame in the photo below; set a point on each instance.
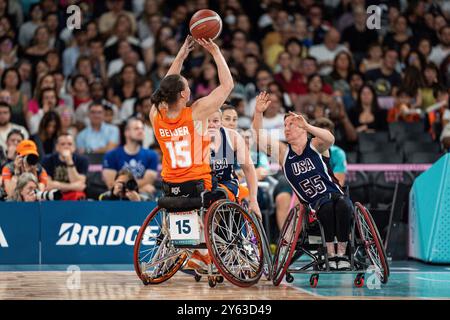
(181, 253)
(315, 267)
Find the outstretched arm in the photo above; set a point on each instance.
(206, 106)
(245, 161)
(323, 139)
(266, 143)
(185, 49)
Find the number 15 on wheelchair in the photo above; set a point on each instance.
(178, 226)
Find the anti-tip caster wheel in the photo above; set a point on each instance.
(289, 278)
(314, 280)
(219, 279)
(212, 282)
(359, 280)
(197, 278)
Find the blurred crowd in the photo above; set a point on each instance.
(72, 96)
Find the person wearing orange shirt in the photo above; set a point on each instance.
(27, 160)
(182, 131)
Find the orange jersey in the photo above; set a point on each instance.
(186, 154)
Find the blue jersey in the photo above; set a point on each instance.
(309, 174)
(223, 163)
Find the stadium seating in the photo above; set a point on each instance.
(423, 157)
(381, 157)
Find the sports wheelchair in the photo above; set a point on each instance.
(179, 225)
(301, 225)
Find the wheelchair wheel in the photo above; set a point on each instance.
(234, 243)
(155, 258)
(287, 242)
(267, 268)
(372, 241)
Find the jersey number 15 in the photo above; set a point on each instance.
(180, 153)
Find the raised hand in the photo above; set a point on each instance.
(300, 121)
(187, 47)
(262, 102)
(209, 45)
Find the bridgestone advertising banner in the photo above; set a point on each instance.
(70, 232)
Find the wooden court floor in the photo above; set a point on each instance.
(409, 280)
(123, 285)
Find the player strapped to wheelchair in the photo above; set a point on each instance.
(303, 235)
(189, 218)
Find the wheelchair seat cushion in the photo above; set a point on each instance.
(179, 204)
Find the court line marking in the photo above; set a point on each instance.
(433, 280)
(304, 290)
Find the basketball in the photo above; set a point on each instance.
(205, 24)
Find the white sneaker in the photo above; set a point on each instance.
(343, 264)
(332, 264)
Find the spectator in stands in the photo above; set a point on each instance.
(98, 59)
(124, 188)
(48, 101)
(442, 50)
(53, 60)
(109, 18)
(84, 67)
(25, 189)
(6, 125)
(296, 52)
(401, 35)
(8, 52)
(142, 163)
(122, 31)
(144, 86)
(126, 55)
(98, 93)
(98, 137)
(343, 66)
(289, 79)
(326, 52)
(207, 82)
(337, 157)
(9, 153)
(40, 47)
(356, 81)
(424, 48)
(357, 36)
(374, 58)
(71, 54)
(11, 82)
(27, 160)
(24, 67)
(367, 116)
(126, 86)
(80, 91)
(263, 79)
(67, 121)
(385, 80)
(28, 29)
(315, 95)
(317, 25)
(143, 106)
(403, 110)
(46, 136)
(66, 170)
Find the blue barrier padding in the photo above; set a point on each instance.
(70, 232)
(19, 233)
